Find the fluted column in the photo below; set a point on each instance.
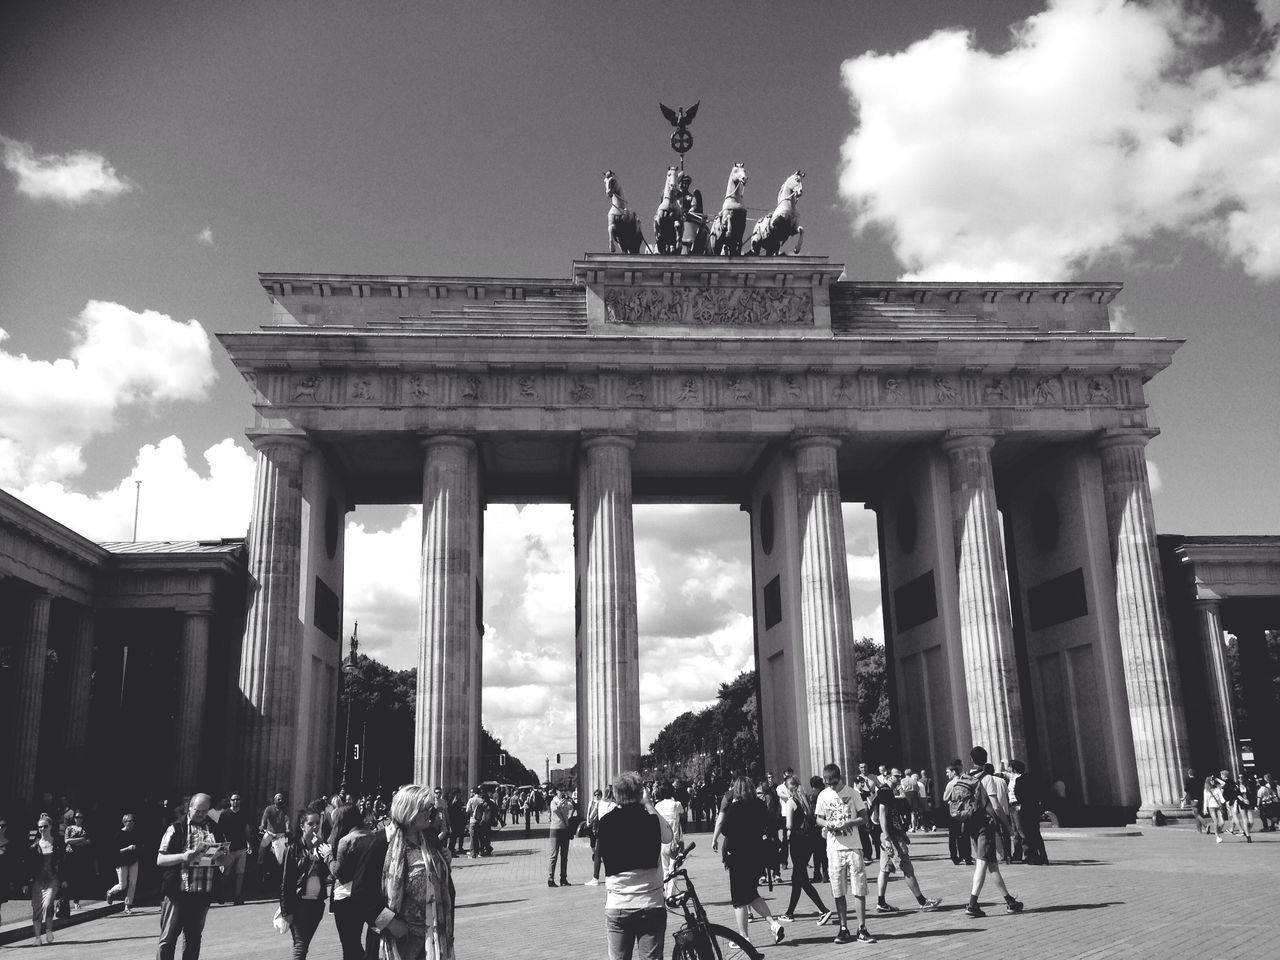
(193, 684)
(447, 686)
(271, 653)
(986, 623)
(28, 700)
(1146, 647)
(1217, 681)
(826, 621)
(79, 673)
(609, 635)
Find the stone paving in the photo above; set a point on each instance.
(1153, 893)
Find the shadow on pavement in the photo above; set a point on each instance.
(487, 903)
(1064, 907)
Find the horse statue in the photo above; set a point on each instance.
(731, 222)
(666, 220)
(625, 235)
(777, 228)
(693, 233)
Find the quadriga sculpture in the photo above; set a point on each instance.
(667, 220)
(625, 235)
(731, 222)
(777, 228)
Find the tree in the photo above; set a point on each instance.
(879, 738)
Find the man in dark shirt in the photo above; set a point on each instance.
(892, 812)
(238, 834)
(628, 842)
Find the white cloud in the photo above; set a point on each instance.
(205, 237)
(119, 359)
(1153, 478)
(69, 178)
(1097, 128)
(176, 502)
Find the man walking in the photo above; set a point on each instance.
(190, 856)
(970, 801)
(840, 813)
(561, 812)
(237, 832)
(957, 839)
(275, 823)
(893, 812)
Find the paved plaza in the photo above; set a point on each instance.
(1163, 893)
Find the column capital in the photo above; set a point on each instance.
(288, 443)
(965, 439)
(607, 440)
(809, 441)
(426, 442)
(1125, 437)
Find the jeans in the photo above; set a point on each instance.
(306, 920)
(629, 929)
(127, 874)
(346, 917)
(559, 846)
(184, 914)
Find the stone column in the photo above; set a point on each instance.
(193, 685)
(28, 699)
(79, 672)
(986, 623)
(1146, 646)
(1258, 670)
(1217, 681)
(447, 685)
(270, 657)
(826, 621)
(608, 632)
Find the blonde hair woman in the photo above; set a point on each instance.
(416, 882)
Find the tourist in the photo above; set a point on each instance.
(1193, 798)
(842, 814)
(6, 864)
(414, 895)
(1268, 804)
(44, 864)
(607, 803)
(747, 828)
(77, 866)
(803, 838)
(672, 811)
(1215, 804)
(457, 812)
(238, 834)
(189, 857)
(866, 783)
(892, 810)
(304, 879)
(351, 841)
(958, 844)
(125, 859)
(1238, 809)
(273, 826)
(1026, 805)
(971, 800)
(631, 832)
(560, 815)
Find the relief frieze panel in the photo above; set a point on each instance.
(691, 306)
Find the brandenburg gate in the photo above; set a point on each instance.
(997, 431)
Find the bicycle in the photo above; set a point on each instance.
(698, 938)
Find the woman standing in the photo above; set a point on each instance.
(803, 837)
(351, 843)
(44, 862)
(304, 875)
(416, 883)
(744, 824)
(77, 868)
(126, 864)
(1215, 806)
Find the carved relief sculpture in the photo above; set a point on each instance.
(997, 389)
(471, 389)
(688, 391)
(1099, 390)
(740, 389)
(893, 390)
(418, 388)
(528, 388)
(684, 305)
(944, 390)
(306, 387)
(635, 389)
(362, 389)
(581, 392)
(1046, 390)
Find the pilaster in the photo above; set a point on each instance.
(448, 687)
(986, 624)
(1146, 647)
(28, 701)
(608, 632)
(193, 684)
(826, 619)
(79, 674)
(1217, 682)
(271, 652)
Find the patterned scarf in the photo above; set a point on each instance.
(395, 870)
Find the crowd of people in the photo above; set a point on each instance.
(1220, 801)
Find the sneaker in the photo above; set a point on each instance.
(593, 882)
(886, 908)
(108, 898)
(975, 912)
(1219, 839)
(864, 936)
(48, 935)
(786, 918)
(825, 918)
(931, 904)
(1013, 906)
(779, 932)
(843, 936)
(128, 911)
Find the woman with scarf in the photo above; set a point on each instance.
(404, 888)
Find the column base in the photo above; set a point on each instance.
(1164, 816)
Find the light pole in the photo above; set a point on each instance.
(346, 737)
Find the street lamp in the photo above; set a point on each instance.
(347, 668)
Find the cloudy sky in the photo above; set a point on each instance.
(155, 156)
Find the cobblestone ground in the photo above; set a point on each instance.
(1165, 893)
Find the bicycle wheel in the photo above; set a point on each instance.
(728, 944)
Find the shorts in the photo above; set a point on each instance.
(986, 843)
(845, 863)
(895, 848)
(743, 889)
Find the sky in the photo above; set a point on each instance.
(155, 156)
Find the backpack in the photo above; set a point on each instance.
(484, 814)
(962, 798)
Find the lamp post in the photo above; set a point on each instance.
(346, 737)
